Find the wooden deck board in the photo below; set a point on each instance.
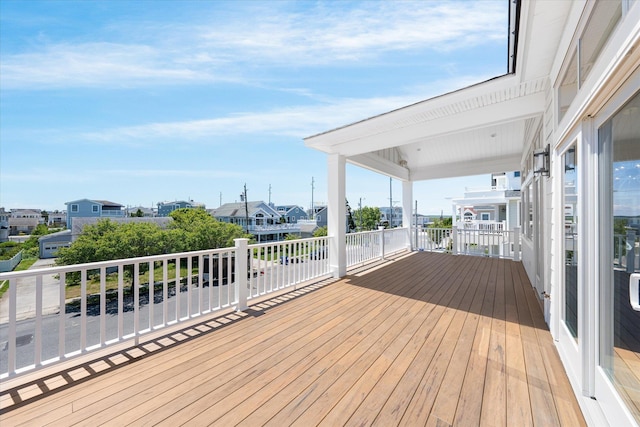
(429, 339)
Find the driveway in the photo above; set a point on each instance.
(26, 302)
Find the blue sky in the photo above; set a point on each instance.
(139, 102)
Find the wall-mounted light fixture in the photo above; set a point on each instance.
(541, 165)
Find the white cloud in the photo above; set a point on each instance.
(297, 121)
(240, 46)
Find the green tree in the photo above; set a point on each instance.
(445, 222)
(320, 232)
(367, 218)
(202, 231)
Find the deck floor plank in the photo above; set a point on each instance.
(427, 339)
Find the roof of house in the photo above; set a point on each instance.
(100, 202)
(175, 202)
(56, 235)
(238, 209)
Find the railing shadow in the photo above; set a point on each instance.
(79, 373)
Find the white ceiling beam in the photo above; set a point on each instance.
(477, 167)
(378, 164)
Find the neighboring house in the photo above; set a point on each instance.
(85, 208)
(165, 208)
(146, 212)
(291, 213)
(494, 207)
(258, 218)
(24, 221)
(57, 219)
(394, 220)
(50, 244)
(320, 215)
(4, 225)
(567, 116)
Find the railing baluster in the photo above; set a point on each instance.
(151, 298)
(165, 292)
(103, 306)
(37, 344)
(189, 279)
(13, 298)
(120, 301)
(177, 287)
(62, 315)
(200, 285)
(136, 302)
(83, 310)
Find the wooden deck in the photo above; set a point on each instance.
(428, 339)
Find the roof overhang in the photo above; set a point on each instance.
(475, 130)
(479, 129)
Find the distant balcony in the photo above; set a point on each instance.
(112, 213)
(274, 228)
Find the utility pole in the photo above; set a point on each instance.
(313, 208)
(269, 194)
(220, 199)
(360, 212)
(243, 197)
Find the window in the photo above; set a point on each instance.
(568, 87)
(516, 174)
(94, 208)
(484, 216)
(603, 20)
(74, 208)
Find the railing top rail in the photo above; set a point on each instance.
(377, 231)
(110, 263)
(309, 239)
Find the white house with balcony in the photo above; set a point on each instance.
(492, 207)
(86, 208)
(257, 218)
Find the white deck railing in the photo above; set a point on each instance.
(368, 246)
(470, 241)
(148, 293)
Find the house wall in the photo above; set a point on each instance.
(614, 78)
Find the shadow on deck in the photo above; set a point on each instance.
(425, 339)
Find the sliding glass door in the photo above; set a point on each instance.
(619, 235)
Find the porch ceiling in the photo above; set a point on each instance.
(475, 130)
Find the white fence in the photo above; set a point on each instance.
(122, 300)
(468, 241)
(372, 245)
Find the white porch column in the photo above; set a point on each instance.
(407, 209)
(337, 214)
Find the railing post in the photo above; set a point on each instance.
(381, 234)
(516, 243)
(454, 240)
(241, 272)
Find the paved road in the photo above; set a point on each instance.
(25, 328)
(26, 305)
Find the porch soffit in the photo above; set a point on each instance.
(470, 131)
